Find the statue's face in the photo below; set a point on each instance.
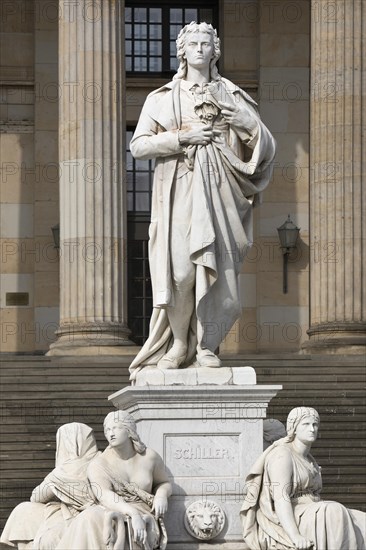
(199, 49)
(307, 430)
(206, 521)
(115, 433)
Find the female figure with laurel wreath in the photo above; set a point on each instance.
(283, 508)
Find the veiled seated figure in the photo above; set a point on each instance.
(62, 495)
(282, 507)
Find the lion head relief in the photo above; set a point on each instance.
(204, 520)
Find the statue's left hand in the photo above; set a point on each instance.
(238, 117)
(160, 506)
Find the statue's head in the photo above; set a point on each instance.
(204, 519)
(184, 35)
(73, 441)
(127, 422)
(297, 416)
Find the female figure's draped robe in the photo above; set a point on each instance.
(225, 185)
(88, 530)
(329, 524)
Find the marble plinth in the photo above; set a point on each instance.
(196, 376)
(207, 426)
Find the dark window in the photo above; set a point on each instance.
(151, 29)
(139, 175)
(139, 188)
(139, 282)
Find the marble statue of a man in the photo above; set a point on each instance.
(213, 157)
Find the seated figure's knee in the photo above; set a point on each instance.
(334, 509)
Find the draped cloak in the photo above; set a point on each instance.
(43, 522)
(329, 524)
(86, 531)
(226, 185)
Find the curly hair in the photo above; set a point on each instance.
(181, 48)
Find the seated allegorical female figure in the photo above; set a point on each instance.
(129, 481)
(282, 507)
(62, 495)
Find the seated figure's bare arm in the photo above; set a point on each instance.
(280, 472)
(161, 486)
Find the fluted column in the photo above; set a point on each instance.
(337, 201)
(92, 201)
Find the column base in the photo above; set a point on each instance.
(99, 338)
(336, 338)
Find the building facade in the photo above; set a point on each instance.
(74, 75)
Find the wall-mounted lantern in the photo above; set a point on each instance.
(56, 235)
(288, 234)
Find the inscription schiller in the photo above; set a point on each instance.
(201, 452)
(202, 455)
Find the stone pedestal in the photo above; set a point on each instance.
(337, 202)
(207, 426)
(92, 199)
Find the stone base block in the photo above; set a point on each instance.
(207, 426)
(231, 376)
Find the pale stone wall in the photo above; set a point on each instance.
(29, 175)
(17, 176)
(284, 74)
(272, 320)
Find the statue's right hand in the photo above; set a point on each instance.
(301, 543)
(197, 134)
(139, 529)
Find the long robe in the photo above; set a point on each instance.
(225, 187)
(89, 531)
(329, 524)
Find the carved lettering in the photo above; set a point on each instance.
(200, 453)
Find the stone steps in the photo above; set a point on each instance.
(39, 395)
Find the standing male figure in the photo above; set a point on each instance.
(213, 159)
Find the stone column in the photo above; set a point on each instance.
(92, 199)
(337, 203)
